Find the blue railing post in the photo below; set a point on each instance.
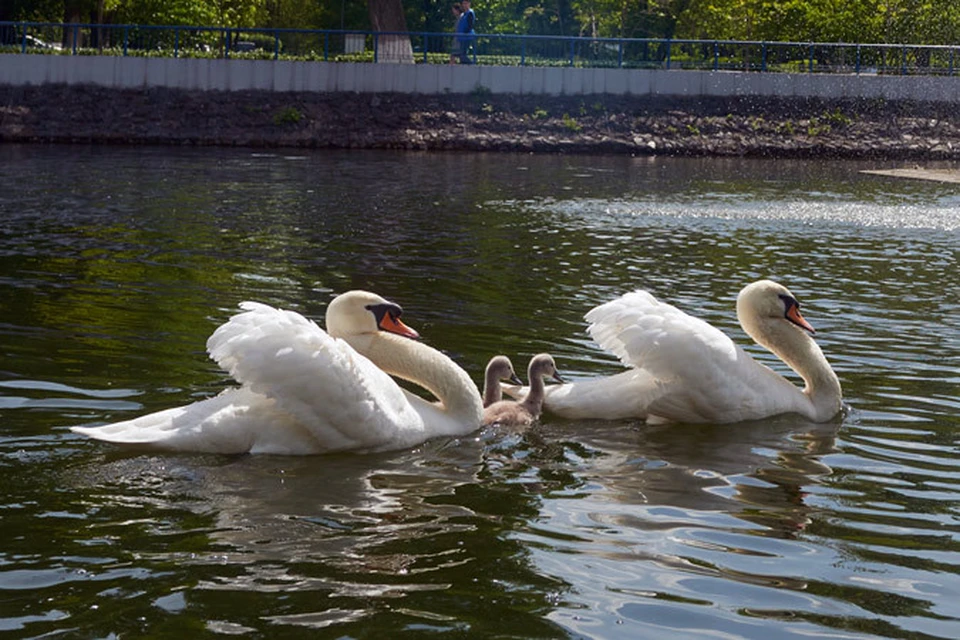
(572, 50)
(667, 60)
(376, 45)
(858, 60)
(952, 51)
(716, 55)
(903, 60)
(226, 43)
(176, 43)
(810, 68)
(326, 47)
(763, 56)
(276, 44)
(619, 54)
(523, 51)
(126, 39)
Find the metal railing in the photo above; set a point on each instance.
(491, 49)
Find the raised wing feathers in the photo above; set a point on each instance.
(646, 333)
(695, 371)
(320, 380)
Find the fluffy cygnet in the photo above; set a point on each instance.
(525, 412)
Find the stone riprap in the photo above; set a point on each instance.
(601, 124)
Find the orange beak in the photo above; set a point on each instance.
(393, 325)
(793, 315)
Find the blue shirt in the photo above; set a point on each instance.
(466, 22)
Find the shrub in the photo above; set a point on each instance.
(287, 115)
(571, 124)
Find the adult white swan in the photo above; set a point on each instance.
(307, 391)
(684, 370)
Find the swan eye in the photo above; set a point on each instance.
(384, 310)
(789, 302)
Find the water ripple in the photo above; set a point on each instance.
(116, 269)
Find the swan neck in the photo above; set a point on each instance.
(428, 368)
(801, 353)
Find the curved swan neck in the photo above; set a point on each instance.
(424, 366)
(801, 353)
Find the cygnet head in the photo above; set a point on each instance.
(766, 300)
(361, 312)
(499, 368)
(542, 366)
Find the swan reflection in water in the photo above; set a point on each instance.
(754, 471)
(399, 529)
(691, 468)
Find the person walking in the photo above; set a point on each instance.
(455, 48)
(465, 30)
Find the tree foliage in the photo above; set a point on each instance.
(868, 21)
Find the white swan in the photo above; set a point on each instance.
(527, 411)
(685, 370)
(306, 391)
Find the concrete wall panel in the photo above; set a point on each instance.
(270, 75)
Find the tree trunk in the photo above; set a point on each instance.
(387, 15)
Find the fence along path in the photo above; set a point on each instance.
(489, 49)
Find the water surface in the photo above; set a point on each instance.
(116, 264)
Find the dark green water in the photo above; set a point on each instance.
(116, 264)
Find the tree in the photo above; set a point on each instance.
(387, 15)
(866, 21)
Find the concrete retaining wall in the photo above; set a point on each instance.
(237, 75)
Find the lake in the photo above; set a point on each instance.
(116, 264)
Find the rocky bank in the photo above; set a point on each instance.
(601, 124)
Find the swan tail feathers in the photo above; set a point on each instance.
(196, 427)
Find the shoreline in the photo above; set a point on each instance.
(594, 124)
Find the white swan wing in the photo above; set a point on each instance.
(695, 372)
(341, 397)
(646, 333)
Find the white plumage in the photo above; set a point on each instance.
(305, 391)
(682, 369)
